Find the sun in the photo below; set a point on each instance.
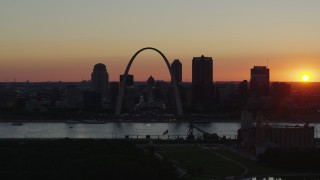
(305, 77)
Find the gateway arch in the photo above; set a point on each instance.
(124, 80)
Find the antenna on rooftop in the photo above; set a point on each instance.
(267, 61)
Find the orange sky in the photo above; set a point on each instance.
(150, 63)
(61, 41)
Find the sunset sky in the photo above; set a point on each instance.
(61, 40)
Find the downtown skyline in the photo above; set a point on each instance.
(61, 41)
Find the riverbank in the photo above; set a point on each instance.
(112, 130)
(119, 120)
(150, 120)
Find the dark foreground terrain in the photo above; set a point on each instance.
(79, 159)
(101, 159)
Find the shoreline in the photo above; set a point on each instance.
(118, 121)
(92, 121)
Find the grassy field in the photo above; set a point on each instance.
(254, 167)
(119, 159)
(203, 164)
(79, 159)
(199, 163)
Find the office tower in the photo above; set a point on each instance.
(151, 82)
(202, 70)
(150, 89)
(130, 92)
(176, 67)
(130, 80)
(243, 92)
(114, 92)
(202, 85)
(100, 80)
(259, 83)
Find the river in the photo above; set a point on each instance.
(118, 130)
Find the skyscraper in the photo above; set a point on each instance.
(130, 79)
(202, 70)
(151, 82)
(100, 80)
(114, 92)
(150, 89)
(259, 82)
(202, 80)
(176, 67)
(243, 93)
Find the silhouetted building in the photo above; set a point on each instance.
(176, 67)
(33, 105)
(100, 80)
(131, 97)
(258, 139)
(259, 83)
(150, 89)
(202, 70)
(202, 81)
(130, 93)
(21, 102)
(114, 92)
(151, 82)
(256, 135)
(225, 92)
(243, 93)
(171, 102)
(130, 80)
(280, 90)
(92, 101)
(158, 95)
(72, 97)
(8, 98)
